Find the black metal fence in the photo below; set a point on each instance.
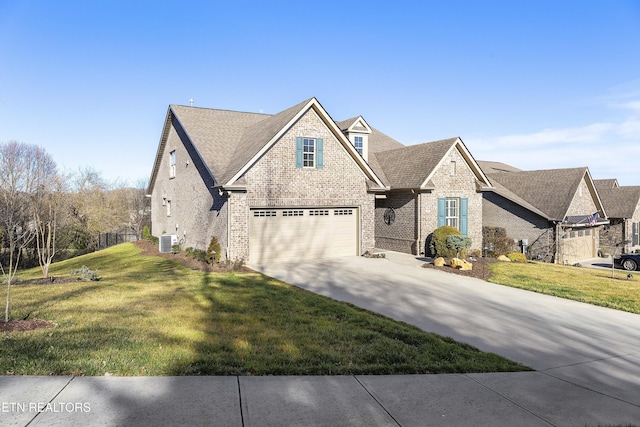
(106, 240)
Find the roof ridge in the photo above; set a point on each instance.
(219, 109)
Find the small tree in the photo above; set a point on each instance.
(458, 244)
(45, 220)
(213, 251)
(24, 171)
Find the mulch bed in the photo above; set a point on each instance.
(151, 249)
(480, 268)
(25, 325)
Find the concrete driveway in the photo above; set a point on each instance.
(592, 347)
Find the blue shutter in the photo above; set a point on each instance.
(319, 153)
(298, 151)
(442, 212)
(464, 214)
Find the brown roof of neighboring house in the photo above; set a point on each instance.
(549, 191)
(606, 183)
(619, 202)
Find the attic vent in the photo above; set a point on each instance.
(167, 241)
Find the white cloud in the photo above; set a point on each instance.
(610, 149)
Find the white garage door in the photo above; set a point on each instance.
(277, 235)
(578, 245)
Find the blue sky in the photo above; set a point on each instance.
(537, 84)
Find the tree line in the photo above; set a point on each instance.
(46, 215)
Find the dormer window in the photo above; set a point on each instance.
(358, 143)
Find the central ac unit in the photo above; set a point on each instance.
(167, 241)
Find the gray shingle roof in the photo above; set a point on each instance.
(227, 140)
(409, 167)
(550, 191)
(379, 141)
(496, 167)
(606, 183)
(215, 133)
(619, 202)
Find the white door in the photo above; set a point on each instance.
(279, 235)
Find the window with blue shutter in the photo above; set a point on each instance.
(298, 152)
(319, 153)
(309, 152)
(464, 213)
(442, 212)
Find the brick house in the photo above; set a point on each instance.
(548, 213)
(298, 185)
(430, 185)
(622, 235)
(269, 187)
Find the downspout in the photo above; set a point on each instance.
(228, 225)
(419, 247)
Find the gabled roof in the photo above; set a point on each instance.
(354, 124)
(496, 167)
(549, 191)
(620, 202)
(412, 167)
(606, 183)
(230, 142)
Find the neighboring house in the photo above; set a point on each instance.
(281, 187)
(430, 185)
(622, 235)
(549, 213)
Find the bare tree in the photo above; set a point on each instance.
(47, 214)
(24, 170)
(97, 207)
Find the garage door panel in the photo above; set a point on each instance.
(578, 246)
(298, 234)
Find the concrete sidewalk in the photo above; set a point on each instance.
(498, 399)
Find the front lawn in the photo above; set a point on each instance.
(152, 316)
(593, 286)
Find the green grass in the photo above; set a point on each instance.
(593, 286)
(151, 316)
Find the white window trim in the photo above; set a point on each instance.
(309, 142)
(360, 139)
(452, 220)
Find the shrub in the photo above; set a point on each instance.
(83, 273)
(517, 257)
(496, 240)
(197, 254)
(146, 235)
(213, 251)
(459, 244)
(438, 244)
